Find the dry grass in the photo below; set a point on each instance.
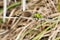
(25, 26)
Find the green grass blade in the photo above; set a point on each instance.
(11, 6)
(57, 38)
(39, 36)
(1, 20)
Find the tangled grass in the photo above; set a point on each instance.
(28, 27)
